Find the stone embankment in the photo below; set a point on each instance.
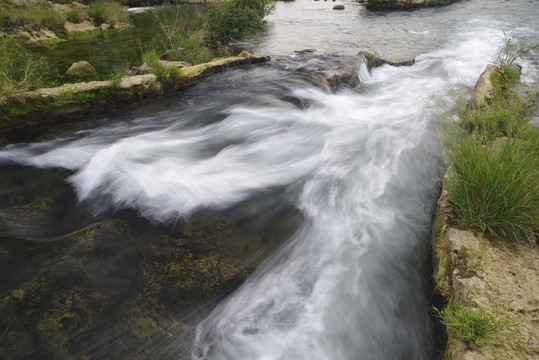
(490, 276)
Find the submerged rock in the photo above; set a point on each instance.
(373, 61)
(81, 68)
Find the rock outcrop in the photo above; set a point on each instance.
(483, 88)
(373, 61)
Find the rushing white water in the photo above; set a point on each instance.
(361, 165)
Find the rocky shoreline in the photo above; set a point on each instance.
(490, 276)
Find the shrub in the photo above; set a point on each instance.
(338, 7)
(475, 326)
(18, 70)
(234, 19)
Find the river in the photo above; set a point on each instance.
(257, 215)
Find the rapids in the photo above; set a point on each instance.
(361, 166)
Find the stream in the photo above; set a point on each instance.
(257, 215)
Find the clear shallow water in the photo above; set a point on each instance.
(356, 170)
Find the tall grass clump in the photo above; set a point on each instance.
(493, 187)
(107, 12)
(494, 160)
(19, 71)
(475, 326)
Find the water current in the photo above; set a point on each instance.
(349, 179)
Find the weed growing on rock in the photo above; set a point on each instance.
(475, 326)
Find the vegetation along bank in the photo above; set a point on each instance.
(484, 239)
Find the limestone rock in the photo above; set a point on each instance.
(39, 34)
(373, 61)
(482, 89)
(83, 26)
(81, 68)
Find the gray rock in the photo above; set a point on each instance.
(373, 61)
(482, 89)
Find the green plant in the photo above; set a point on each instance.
(234, 19)
(473, 325)
(18, 70)
(508, 53)
(108, 12)
(77, 14)
(338, 7)
(493, 188)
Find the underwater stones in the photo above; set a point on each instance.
(81, 68)
(373, 61)
(42, 317)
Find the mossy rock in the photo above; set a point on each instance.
(198, 264)
(42, 317)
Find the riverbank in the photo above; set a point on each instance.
(488, 284)
(46, 105)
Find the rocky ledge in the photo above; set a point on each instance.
(22, 110)
(494, 277)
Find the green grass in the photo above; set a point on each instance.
(107, 12)
(19, 71)
(475, 326)
(493, 188)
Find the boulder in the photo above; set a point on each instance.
(344, 75)
(373, 61)
(483, 87)
(333, 79)
(81, 68)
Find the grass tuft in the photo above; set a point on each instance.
(475, 326)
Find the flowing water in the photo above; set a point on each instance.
(335, 190)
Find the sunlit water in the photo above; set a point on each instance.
(360, 165)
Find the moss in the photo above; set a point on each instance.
(42, 317)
